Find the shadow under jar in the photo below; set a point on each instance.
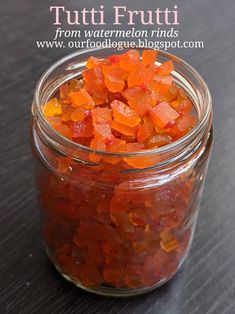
(108, 227)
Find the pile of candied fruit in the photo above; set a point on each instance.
(115, 234)
(124, 103)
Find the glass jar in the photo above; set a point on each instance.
(108, 227)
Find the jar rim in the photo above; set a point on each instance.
(147, 152)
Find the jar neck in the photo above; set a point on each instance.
(166, 156)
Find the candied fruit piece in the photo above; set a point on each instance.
(94, 79)
(149, 56)
(82, 128)
(97, 145)
(103, 132)
(167, 80)
(67, 110)
(171, 94)
(159, 140)
(140, 99)
(78, 114)
(134, 147)
(182, 107)
(75, 85)
(159, 130)
(114, 78)
(117, 146)
(93, 62)
(141, 108)
(134, 93)
(101, 115)
(120, 207)
(100, 97)
(169, 245)
(130, 61)
(161, 84)
(141, 76)
(138, 217)
(82, 98)
(52, 108)
(163, 113)
(64, 93)
(145, 130)
(119, 218)
(175, 103)
(152, 212)
(166, 68)
(113, 160)
(114, 84)
(124, 129)
(112, 248)
(56, 124)
(63, 130)
(115, 71)
(165, 86)
(140, 162)
(124, 114)
(186, 123)
(54, 121)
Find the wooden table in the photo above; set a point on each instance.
(28, 282)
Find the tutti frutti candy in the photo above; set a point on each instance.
(124, 237)
(122, 98)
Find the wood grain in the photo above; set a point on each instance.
(28, 282)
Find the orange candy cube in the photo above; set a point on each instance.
(52, 108)
(114, 84)
(182, 106)
(186, 123)
(149, 57)
(117, 146)
(145, 130)
(97, 145)
(93, 62)
(130, 61)
(124, 129)
(101, 115)
(82, 98)
(94, 79)
(142, 76)
(103, 133)
(158, 140)
(124, 114)
(140, 99)
(169, 245)
(82, 128)
(114, 78)
(78, 114)
(64, 93)
(166, 68)
(162, 114)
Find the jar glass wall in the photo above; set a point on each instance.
(108, 227)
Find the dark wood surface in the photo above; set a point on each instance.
(28, 282)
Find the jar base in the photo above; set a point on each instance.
(115, 292)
